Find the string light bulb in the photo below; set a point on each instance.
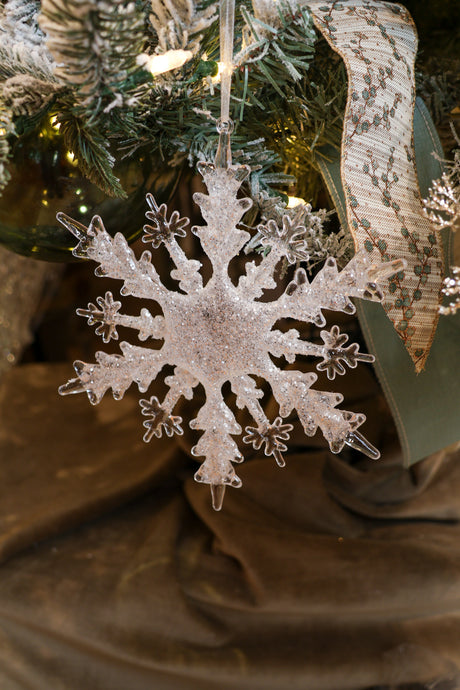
(294, 201)
(159, 64)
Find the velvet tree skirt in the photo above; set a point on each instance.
(334, 573)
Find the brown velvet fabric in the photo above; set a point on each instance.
(334, 573)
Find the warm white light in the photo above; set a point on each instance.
(158, 64)
(294, 201)
(71, 158)
(220, 68)
(55, 124)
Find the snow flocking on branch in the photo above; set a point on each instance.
(451, 289)
(442, 207)
(95, 44)
(218, 332)
(178, 24)
(28, 82)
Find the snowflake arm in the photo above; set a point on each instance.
(221, 246)
(159, 420)
(288, 240)
(331, 289)
(272, 437)
(248, 396)
(138, 364)
(115, 258)
(217, 447)
(277, 242)
(181, 384)
(339, 427)
(259, 277)
(316, 409)
(334, 356)
(363, 276)
(107, 315)
(164, 231)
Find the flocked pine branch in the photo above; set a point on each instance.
(452, 289)
(100, 96)
(95, 44)
(269, 69)
(439, 86)
(442, 206)
(6, 128)
(22, 44)
(279, 51)
(279, 95)
(25, 95)
(22, 41)
(19, 21)
(27, 81)
(180, 24)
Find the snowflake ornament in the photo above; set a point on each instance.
(218, 332)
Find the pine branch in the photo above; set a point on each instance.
(19, 21)
(91, 151)
(99, 92)
(281, 53)
(442, 206)
(439, 87)
(6, 128)
(180, 24)
(293, 105)
(25, 95)
(22, 47)
(95, 43)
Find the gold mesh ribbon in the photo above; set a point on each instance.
(378, 43)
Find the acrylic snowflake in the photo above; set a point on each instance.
(221, 332)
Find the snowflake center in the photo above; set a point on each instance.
(219, 333)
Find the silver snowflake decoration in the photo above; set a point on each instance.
(221, 332)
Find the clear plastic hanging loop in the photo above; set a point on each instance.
(227, 23)
(223, 157)
(224, 124)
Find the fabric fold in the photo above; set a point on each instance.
(333, 573)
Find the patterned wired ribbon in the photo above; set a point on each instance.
(378, 43)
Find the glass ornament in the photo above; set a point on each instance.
(219, 331)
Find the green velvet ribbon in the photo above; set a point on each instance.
(425, 406)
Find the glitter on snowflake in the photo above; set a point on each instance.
(221, 332)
